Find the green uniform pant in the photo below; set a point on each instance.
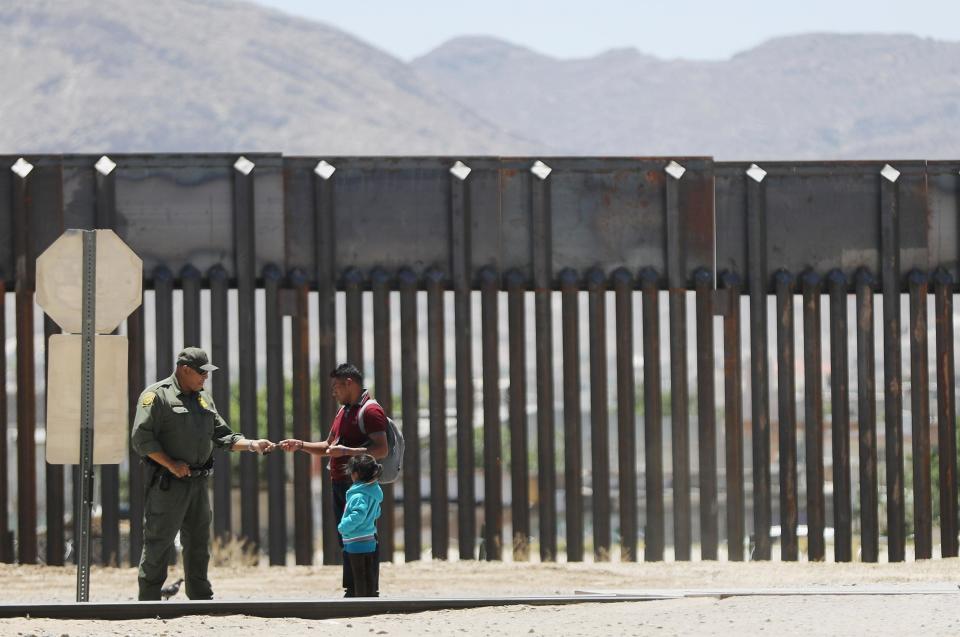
(183, 507)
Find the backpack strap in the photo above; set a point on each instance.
(340, 416)
(363, 408)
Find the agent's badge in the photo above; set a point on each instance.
(203, 404)
(148, 399)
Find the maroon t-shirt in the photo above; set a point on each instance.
(346, 431)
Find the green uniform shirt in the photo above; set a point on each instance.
(183, 425)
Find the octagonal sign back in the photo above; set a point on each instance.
(119, 288)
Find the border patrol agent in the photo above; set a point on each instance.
(175, 431)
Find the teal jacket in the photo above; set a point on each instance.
(358, 526)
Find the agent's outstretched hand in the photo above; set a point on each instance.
(262, 446)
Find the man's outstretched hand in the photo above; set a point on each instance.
(290, 444)
(338, 451)
(262, 446)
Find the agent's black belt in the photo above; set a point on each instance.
(166, 476)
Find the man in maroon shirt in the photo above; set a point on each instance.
(345, 440)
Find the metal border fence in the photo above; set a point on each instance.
(623, 233)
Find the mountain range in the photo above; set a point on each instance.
(219, 75)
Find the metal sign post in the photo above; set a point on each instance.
(86, 410)
(68, 292)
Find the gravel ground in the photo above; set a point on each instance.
(907, 608)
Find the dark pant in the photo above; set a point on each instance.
(176, 506)
(365, 568)
(339, 504)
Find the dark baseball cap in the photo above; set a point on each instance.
(196, 358)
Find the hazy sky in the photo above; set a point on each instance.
(701, 29)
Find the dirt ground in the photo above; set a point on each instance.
(887, 614)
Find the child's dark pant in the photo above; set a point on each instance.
(366, 574)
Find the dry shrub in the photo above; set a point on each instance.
(602, 554)
(232, 551)
(521, 548)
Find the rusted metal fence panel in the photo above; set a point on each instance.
(220, 385)
(623, 283)
(946, 413)
(867, 416)
(733, 416)
(439, 508)
(920, 416)
(706, 416)
(840, 412)
(244, 267)
(541, 238)
(303, 418)
(383, 389)
(813, 415)
(276, 430)
(492, 443)
(410, 395)
(573, 423)
(653, 419)
(517, 398)
(787, 402)
(599, 414)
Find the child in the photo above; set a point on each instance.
(358, 527)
